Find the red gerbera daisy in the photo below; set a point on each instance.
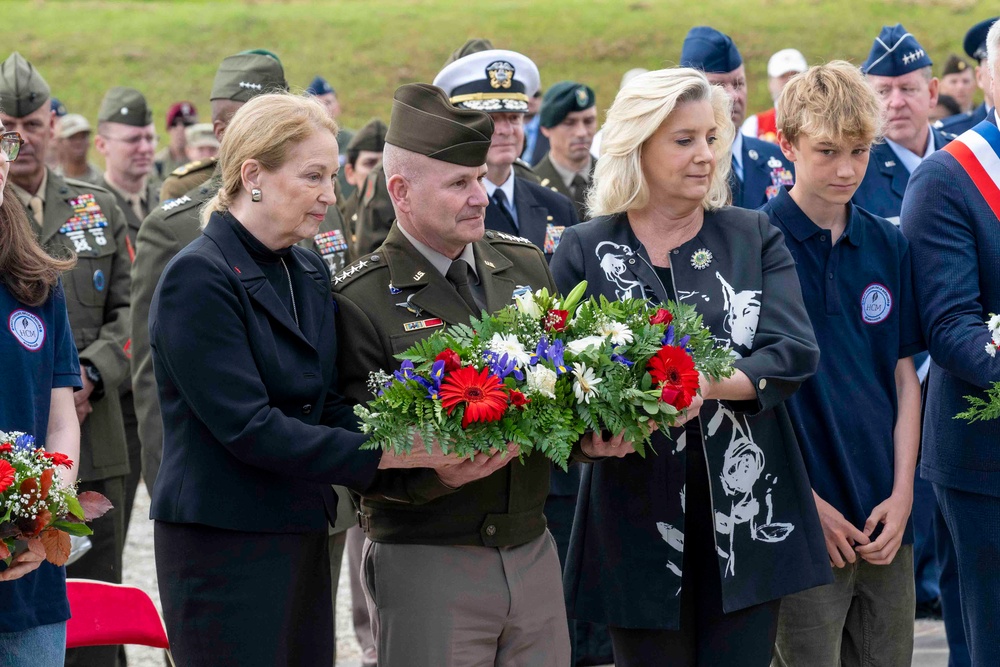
(7, 473)
(481, 392)
(59, 459)
(673, 370)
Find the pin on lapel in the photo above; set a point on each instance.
(394, 290)
(890, 163)
(489, 264)
(701, 258)
(774, 163)
(410, 306)
(418, 275)
(753, 154)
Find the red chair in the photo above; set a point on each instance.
(104, 613)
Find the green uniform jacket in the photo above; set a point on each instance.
(85, 220)
(377, 297)
(164, 233)
(134, 221)
(185, 178)
(375, 214)
(551, 179)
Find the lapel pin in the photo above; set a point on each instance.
(394, 290)
(753, 154)
(408, 304)
(489, 264)
(890, 163)
(701, 258)
(418, 275)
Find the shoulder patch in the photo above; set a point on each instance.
(359, 268)
(500, 237)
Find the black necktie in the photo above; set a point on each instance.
(500, 199)
(458, 275)
(579, 189)
(736, 185)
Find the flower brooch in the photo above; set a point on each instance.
(701, 258)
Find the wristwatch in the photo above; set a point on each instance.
(94, 376)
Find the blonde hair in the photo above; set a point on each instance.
(263, 129)
(831, 102)
(639, 109)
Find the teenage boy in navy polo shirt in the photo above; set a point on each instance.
(858, 418)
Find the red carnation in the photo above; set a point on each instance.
(673, 370)
(518, 399)
(5, 447)
(555, 320)
(452, 362)
(661, 316)
(482, 393)
(59, 459)
(7, 474)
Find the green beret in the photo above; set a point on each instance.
(126, 106)
(562, 99)
(474, 45)
(22, 88)
(369, 138)
(246, 75)
(424, 121)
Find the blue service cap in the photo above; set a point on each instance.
(320, 86)
(975, 39)
(58, 107)
(895, 52)
(710, 51)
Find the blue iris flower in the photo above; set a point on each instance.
(433, 385)
(555, 355)
(405, 372)
(668, 337)
(502, 366)
(683, 342)
(540, 349)
(620, 359)
(25, 442)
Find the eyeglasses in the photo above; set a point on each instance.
(10, 145)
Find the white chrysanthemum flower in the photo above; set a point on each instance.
(541, 381)
(582, 344)
(526, 304)
(617, 332)
(994, 323)
(509, 344)
(585, 384)
(991, 349)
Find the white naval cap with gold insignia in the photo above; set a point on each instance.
(492, 81)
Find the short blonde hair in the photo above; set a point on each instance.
(264, 129)
(831, 102)
(639, 109)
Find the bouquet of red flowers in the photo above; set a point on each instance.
(542, 371)
(37, 511)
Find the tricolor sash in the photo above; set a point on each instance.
(978, 152)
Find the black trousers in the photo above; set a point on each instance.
(708, 637)
(238, 599)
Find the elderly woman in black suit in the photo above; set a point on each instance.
(244, 347)
(686, 553)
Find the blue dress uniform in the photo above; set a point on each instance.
(759, 168)
(975, 47)
(955, 239)
(961, 122)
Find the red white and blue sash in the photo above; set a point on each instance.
(978, 151)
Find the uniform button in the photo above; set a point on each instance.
(307, 408)
(822, 237)
(490, 235)
(491, 530)
(762, 383)
(676, 251)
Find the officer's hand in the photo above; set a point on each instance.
(22, 564)
(841, 535)
(595, 446)
(478, 467)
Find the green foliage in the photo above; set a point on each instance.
(980, 409)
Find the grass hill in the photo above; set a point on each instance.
(366, 48)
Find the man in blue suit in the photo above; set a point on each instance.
(951, 220)
(899, 70)
(501, 83)
(975, 46)
(759, 169)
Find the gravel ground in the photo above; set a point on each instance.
(930, 650)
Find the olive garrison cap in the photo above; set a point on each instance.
(474, 45)
(562, 99)
(371, 137)
(424, 121)
(22, 88)
(246, 75)
(126, 106)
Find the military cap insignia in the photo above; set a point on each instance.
(581, 97)
(500, 73)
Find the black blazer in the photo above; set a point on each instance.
(538, 210)
(254, 431)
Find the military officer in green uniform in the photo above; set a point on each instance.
(74, 217)
(461, 573)
(364, 152)
(126, 137)
(568, 119)
(186, 177)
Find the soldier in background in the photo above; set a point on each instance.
(74, 217)
(569, 122)
(958, 81)
(180, 116)
(975, 46)
(72, 146)
(364, 153)
(200, 142)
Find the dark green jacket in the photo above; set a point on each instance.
(413, 506)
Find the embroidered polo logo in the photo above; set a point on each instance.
(27, 329)
(876, 303)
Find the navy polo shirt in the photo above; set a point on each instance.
(859, 295)
(37, 354)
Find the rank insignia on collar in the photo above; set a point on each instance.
(394, 290)
(410, 306)
(753, 154)
(423, 324)
(489, 264)
(701, 258)
(418, 275)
